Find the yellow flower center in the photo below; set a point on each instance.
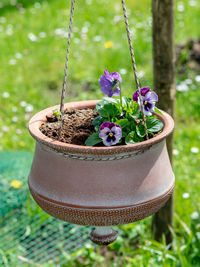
(111, 134)
(145, 103)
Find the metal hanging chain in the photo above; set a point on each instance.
(134, 66)
(66, 62)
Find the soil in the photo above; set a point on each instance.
(77, 126)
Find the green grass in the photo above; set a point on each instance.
(37, 79)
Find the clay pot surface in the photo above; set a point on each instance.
(100, 185)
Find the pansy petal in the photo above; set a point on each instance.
(116, 92)
(117, 131)
(108, 75)
(104, 133)
(105, 125)
(116, 76)
(145, 90)
(151, 97)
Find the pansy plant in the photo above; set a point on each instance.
(120, 120)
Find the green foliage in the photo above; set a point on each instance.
(93, 140)
(127, 115)
(107, 110)
(56, 112)
(154, 125)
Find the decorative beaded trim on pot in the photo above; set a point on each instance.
(89, 157)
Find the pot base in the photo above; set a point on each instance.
(103, 236)
(101, 216)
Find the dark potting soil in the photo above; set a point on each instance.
(77, 126)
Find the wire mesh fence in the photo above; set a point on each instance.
(29, 236)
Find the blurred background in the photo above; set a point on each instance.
(33, 39)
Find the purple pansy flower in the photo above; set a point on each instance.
(143, 91)
(110, 133)
(149, 99)
(109, 83)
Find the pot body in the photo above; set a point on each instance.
(100, 186)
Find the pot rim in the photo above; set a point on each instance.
(40, 117)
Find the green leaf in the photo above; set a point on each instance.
(123, 123)
(93, 139)
(132, 138)
(56, 112)
(134, 107)
(154, 125)
(97, 121)
(157, 110)
(140, 130)
(111, 100)
(108, 110)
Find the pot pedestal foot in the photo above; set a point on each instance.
(103, 235)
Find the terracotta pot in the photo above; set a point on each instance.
(100, 186)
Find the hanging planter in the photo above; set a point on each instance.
(122, 174)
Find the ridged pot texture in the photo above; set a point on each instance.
(100, 186)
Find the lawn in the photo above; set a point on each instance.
(32, 55)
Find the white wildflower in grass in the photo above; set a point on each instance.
(182, 87)
(117, 18)
(97, 38)
(14, 119)
(18, 131)
(75, 29)
(27, 116)
(22, 10)
(2, 20)
(18, 55)
(141, 74)
(180, 7)
(88, 2)
(139, 25)
(33, 11)
(188, 81)
(84, 29)
(76, 40)
(37, 5)
(29, 108)
(186, 195)
(23, 104)
(123, 71)
(192, 2)
(194, 150)
(14, 109)
(5, 95)
(195, 215)
(61, 32)
(12, 62)
(175, 152)
(32, 37)
(9, 31)
(42, 34)
(5, 129)
(101, 19)
(13, 2)
(83, 36)
(197, 78)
